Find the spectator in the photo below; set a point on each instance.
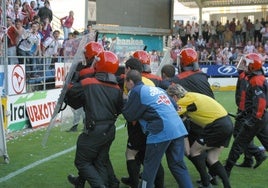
(28, 15)
(249, 48)
(250, 30)
(212, 31)
(244, 30)
(264, 32)
(238, 30)
(266, 47)
(219, 57)
(190, 44)
(88, 30)
(19, 2)
(257, 31)
(174, 54)
(11, 41)
(201, 43)
(28, 39)
(15, 13)
(50, 48)
(227, 53)
(232, 28)
(45, 12)
(220, 29)
(188, 29)
(34, 6)
(203, 56)
(195, 30)
(67, 23)
(228, 36)
(205, 31)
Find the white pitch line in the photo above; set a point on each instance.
(13, 174)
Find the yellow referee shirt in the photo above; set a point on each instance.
(207, 108)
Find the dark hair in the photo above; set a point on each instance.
(76, 32)
(168, 70)
(134, 64)
(18, 20)
(133, 75)
(56, 31)
(35, 17)
(47, 2)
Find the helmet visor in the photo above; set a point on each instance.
(243, 64)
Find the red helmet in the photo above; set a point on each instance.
(143, 56)
(253, 61)
(92, 49)
(188, 56)
(107, 61)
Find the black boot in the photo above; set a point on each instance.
(260, 157)
(247, 163)
(114, 183)
(218, 169)
(73, 128)
(78, 182)
(133, 168)
(200, 165)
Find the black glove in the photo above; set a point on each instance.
(240, 116)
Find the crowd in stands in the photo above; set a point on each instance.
(29, 31)
(221, 44)
(30, 35)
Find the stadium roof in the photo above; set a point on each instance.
(221, 3)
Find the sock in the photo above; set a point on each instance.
(133, 168)
(218, 169)
(200, 165)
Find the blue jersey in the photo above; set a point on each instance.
(154, 110)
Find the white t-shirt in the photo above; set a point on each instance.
(51, 46)
(28, 40)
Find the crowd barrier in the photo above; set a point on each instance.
(30, 88)
(43, 73)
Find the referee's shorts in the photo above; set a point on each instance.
(217, 133)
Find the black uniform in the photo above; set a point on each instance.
(240, 97)
(101, 98)
(195, 81)
(255, 120)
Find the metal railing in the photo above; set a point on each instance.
(39, 71)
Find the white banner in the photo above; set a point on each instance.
(61, 70)
(16, 79)
(40, 110)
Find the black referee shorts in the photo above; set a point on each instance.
(217, 133)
